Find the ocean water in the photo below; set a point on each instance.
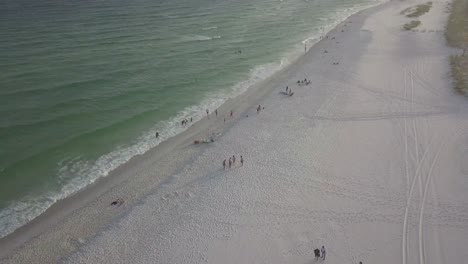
(85, 84)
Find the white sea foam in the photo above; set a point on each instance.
(190, 38)
(209, 28)
(82, 173)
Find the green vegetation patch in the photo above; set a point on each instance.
(411, 25)
(457, 36)
(417, 11)
(460, 72)
(457, 26)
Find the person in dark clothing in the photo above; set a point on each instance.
(317, 253)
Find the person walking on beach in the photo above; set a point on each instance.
(324, 253)
(233, 159)
(287, 87)
(216, 112)
(157, 134)
(242, 161)
(190, 120)
(230, 162)
(224, 120)
(231, 113)
(224, 164)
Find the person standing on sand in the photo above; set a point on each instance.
(224, 120)
(230, 162)
(216, 112)
(242, 161)
(224, 164)
(190, 120)
(157, 134)
(231, 113)
(324, 253)
(208, 113)
(233, 159)
(287, 87)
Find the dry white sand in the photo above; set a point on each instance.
(370, 160)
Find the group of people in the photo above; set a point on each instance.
(259, 108)
(185, 121)
(232, 162)
(303, 82)
(318, 251)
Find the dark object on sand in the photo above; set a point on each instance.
(206, 141)
(317, 253)
(117, 202)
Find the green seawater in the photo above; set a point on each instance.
(85, 84)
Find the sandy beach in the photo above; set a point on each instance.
(369, 160)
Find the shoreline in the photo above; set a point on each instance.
(104, 187)
(288, 56)
(72, 174)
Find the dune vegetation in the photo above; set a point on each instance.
(417, 11)
(411, 25)
(457, 36)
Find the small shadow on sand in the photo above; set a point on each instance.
(316, 260)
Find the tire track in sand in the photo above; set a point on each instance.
(423, 202)
(415, 133)
(413, 184)
(408, 202)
